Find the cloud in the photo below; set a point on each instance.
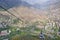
(36, 1)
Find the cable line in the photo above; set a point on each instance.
(10, 13)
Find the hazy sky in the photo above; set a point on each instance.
(36, 1)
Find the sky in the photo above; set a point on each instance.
(36, 1)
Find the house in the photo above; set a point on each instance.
(3, 31)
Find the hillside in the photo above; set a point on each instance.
(31, 14)
(20, 20)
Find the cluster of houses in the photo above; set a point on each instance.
(3, 31)
(3, 27)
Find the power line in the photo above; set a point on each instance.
(10, 12)
(13, 10)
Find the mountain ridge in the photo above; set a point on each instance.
(14, 3)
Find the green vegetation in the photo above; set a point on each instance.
(29, 31)
(25, 33)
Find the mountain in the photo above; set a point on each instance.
(32, 13)
(48, 4)
(13, 3)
